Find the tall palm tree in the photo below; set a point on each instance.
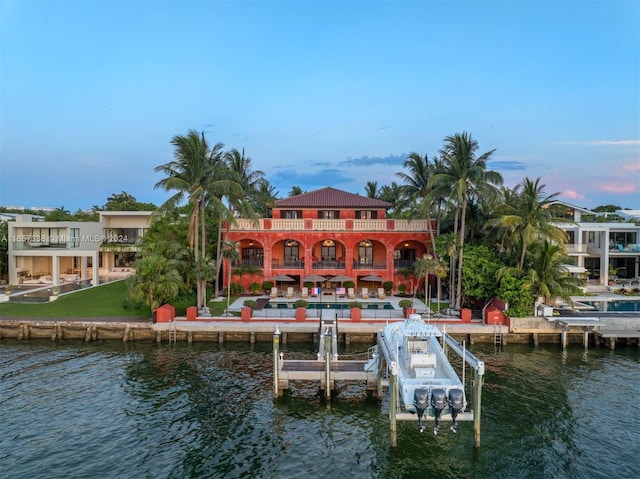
(465, 177)
(418, 188)
(264, 199)
(240, 187)
(191, 175)
(528, 218)
(371, 189)
(394, 194)
(230, 253)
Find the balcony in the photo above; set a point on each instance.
(332, 225)
(38, 246)
(625, 249)
(576, 249)
(277, 264)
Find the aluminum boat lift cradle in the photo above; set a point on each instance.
(427, 385)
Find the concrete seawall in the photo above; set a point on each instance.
(532, 330)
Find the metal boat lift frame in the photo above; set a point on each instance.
(476, 364)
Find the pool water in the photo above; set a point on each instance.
(319, 305)
(618, 306)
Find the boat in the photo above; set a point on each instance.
(427, 384)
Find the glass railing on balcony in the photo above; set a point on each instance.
(37, 245)
(625, 249)
(576, 248)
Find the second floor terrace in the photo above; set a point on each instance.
(310, 224)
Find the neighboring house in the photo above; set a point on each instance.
(598, 248)
(58, 251)
(329, 232)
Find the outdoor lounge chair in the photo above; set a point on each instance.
(274, 292)
(351, 293)
(381, 294)
(304, 293)
(365, 293)
(289, 293)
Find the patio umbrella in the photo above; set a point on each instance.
(341, 278)
(372, 277)
(283, 278)
(314, 278)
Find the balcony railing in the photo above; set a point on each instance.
(277, 264)
(332, 225)
(576, 248)
(24, 245)
(626, 249)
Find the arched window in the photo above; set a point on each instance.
(328, 250)
(291, 250)
(365, 252)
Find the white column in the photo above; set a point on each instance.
(96, 270)
(55, 260)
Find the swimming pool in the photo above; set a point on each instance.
(327, 305)
(616, 306)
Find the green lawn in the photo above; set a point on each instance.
(104, 301)
(100, 302)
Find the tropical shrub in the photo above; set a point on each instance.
(250, 303)
(254, 287)
(354, 304)
(267, 285)
(302, 303)
(405, 303)
(388, 286)
(349, 284)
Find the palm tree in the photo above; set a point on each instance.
(156, 280)
(191, 175)
(465, 177)
(429, 264)
(528, 218)
(295, 191)
(264, 199)
(417, 186)
(371, 189)
(120, 202)
(230, 253)
(547, 275)
(394, 194)
(241, 185)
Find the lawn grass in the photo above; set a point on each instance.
(102, 302)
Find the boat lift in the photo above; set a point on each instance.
(328, 368)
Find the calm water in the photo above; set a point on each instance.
(113, 410)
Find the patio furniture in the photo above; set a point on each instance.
(381, 293)
(289, 294)
(274, 292)
(351, 293)
(304, 293)
(364, 293)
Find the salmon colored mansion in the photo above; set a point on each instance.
(329, 233)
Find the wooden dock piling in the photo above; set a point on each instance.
(393, 404)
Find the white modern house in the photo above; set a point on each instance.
(604, 251)
(54, 252)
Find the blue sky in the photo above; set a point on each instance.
(317, 93)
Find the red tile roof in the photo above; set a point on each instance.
(331, 198)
